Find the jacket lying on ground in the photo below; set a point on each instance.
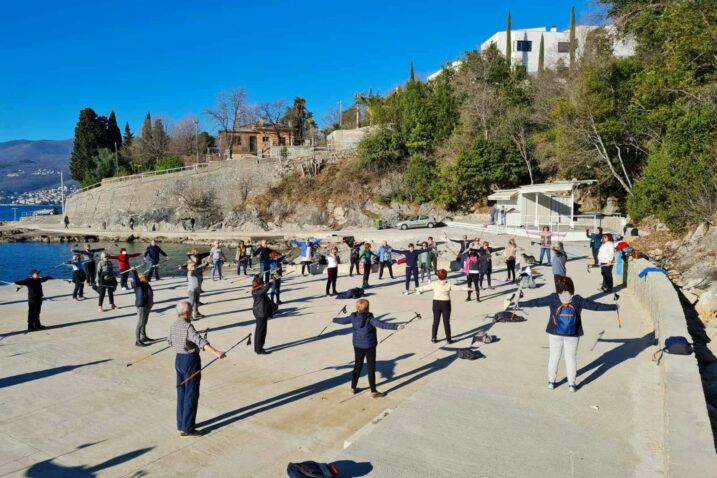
(34, 287)
(364, 326)
(143, 293)
(580, 303)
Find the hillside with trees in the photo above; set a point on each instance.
(644, 126)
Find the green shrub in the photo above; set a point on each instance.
(169, 162)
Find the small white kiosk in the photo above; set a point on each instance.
(537, 205)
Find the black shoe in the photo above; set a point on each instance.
(434, 340)
(355, 390)
(148, 339)
(468, 299)
(201, 303)
(139, 343)
(450, 341)
(40, 327)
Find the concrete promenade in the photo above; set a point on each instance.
(71, 406)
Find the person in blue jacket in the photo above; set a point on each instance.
(385, 258)
(595, 243)
(143, 300)
(411, 254)
(365, 341)
(307, 249)
(565, 327)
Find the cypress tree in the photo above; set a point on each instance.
(128, 136)
(88, 138)
(159, 141)
(412, 77)
(572, 38)
(114, 136)
(508, 43)
(541, 55)
(145, 150)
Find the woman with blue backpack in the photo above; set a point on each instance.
(565, 327)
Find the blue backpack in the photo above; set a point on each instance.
(565, 320)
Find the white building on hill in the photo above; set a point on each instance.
(525, 46)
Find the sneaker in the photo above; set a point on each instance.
(193, 433)
(377, 394)
(355, 391)
(572, 388)
(139, 343)
(434, 340)
(551, 385)
(114, 307)
(124, 288)
(468, 299)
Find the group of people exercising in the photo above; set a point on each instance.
(474, 259)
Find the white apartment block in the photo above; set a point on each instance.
(525, 46)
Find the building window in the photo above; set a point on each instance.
(237, 140)
(282, 141)
(265, 139)
(564, 46)
(524, 45)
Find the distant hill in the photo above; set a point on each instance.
(31, 165)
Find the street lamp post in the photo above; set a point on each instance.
(196, 137)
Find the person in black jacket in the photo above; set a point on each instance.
(565, 327)
(152, 255)
(143, 300)
(263, 310)
(88, 255)
(34, 299)
(264, 253)
(485, 262)
(365, 341)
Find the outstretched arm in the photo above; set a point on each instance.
(380, 324)
(539, 302)
(592, 305)
(342, 320)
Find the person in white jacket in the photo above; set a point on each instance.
(606, 258)
(441, 302)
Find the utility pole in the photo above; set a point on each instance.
(196, 137)
(340, 115)
(62, 193)
(116, 161)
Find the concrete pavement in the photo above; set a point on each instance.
(73, 408)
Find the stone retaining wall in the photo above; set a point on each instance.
(689, 444)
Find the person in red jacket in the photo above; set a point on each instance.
(124, 266)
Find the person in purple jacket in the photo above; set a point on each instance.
(365, 342)
(565, 327)
(411, 254)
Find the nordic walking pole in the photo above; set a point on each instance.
(342, 311)
(417, 316)
(598, 340)
(619, 321)
(142, 359)
(214, 360)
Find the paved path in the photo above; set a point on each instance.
(72, 408)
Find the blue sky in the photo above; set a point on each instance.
(173, 58)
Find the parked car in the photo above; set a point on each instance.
(416, 221)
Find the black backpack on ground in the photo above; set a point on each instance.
(676, 345)
(311, 469)
(355, 293)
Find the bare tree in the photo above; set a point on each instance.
(271, 112)
(230, 112)
(518, 129)
(182, 136)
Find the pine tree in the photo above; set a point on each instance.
(88, 138)
(541, 55)
(128, 136)
(412, 76)
(114, 136)
(508, 43)
(572, 38)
